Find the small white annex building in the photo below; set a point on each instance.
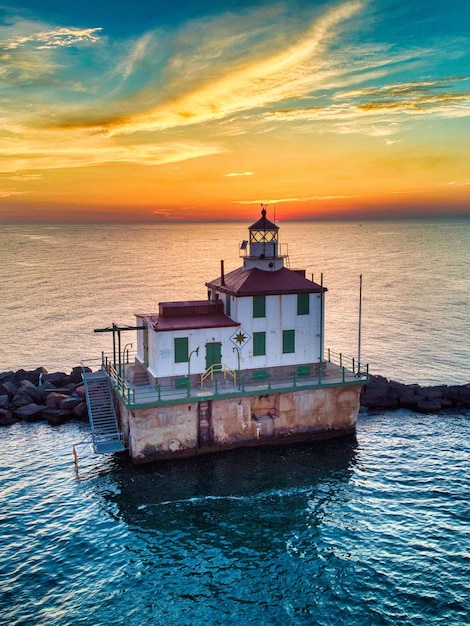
(262, 315)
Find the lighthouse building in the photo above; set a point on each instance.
(261, 315)
(245, 366)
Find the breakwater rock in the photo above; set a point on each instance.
(383, 394)
(33, 395)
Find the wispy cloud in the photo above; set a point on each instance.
(257, 83)
(25, 177)
(137, 56)
(294, 199)
(50, 152)
(374, 111)
(184, 94)
(55, 38)
(7, 194)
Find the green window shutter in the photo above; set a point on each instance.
(303, 302)
(228, 307)
(259, 344)
(259, 306)
(288, 341)
(181, 349)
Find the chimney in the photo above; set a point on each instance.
(222, 275)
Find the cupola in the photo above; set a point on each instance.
(263, 245)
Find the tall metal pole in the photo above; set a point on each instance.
(119, 352)
(360, 327)
(321, 329)
(114, 345)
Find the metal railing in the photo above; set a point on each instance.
(335, 370)
(214, 369)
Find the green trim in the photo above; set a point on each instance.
(288, 341)
(259, 306)
(303, 304)
(181, 346)
(237, 394)
(259, 343)
(182, 382)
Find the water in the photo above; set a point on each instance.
(367, 530)
(59, 282)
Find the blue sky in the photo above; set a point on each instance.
(148, 110)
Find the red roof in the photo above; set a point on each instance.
(187, 322)
(254, 281)
(264, 224)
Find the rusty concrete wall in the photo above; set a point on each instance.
(172, 431)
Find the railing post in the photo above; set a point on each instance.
(159, 390)
(344, 374)
(295, 379)
(341, 359)
(354, 366)
(329, 355)
(216, 391)
(269, 381)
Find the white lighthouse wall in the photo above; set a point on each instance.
(141, 334)
(281, 314)
(162, 351)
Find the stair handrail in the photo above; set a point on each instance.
(87, 400)
(218, 367)
(97, 436)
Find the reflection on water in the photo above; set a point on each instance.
(269, 475)
(364, 530)
(79, 277)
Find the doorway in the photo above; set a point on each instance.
(213, 354)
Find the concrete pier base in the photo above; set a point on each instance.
(186, 430)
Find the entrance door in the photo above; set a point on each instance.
(213, 354)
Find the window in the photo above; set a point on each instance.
(259, 306)
(259, 344)
(181, 349)
(303, 302)
(228, 308)
(288, 341)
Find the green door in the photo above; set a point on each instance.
(213, 354)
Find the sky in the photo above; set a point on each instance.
(203, 110)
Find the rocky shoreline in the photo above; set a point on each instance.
(381, 394)
(33, 395)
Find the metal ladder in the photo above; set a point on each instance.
(105, 432)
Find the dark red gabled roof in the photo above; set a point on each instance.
(241, 282)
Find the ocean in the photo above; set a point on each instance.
(371, 529)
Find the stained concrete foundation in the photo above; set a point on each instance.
(186, 430)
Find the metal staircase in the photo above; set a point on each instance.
(101, 412)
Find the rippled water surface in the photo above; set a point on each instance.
(362, 531)
(366, 530)
(59, 282)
